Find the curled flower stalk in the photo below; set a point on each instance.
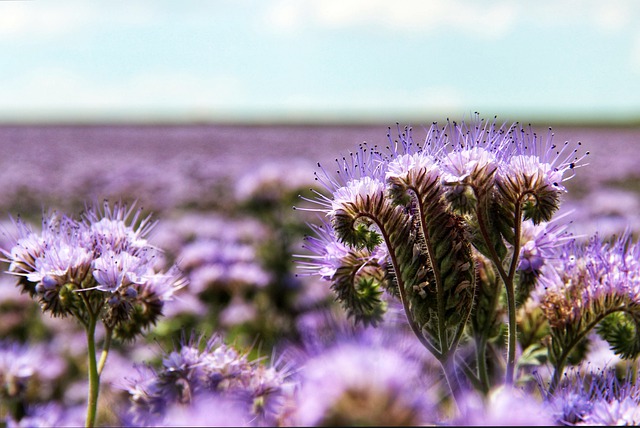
(98, 269)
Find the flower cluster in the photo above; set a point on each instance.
(592, 285)
(218, 370)
(453, 217)
(601, 397)
(98, 266)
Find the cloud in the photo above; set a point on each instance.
(38, 19)
(490, 20)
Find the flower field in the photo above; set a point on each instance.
(159, 275)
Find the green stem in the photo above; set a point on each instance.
(451, 375)
(508, 280)
(471, 375)
(94, 376)
(105, 350)
(481, 361)
(511, 296)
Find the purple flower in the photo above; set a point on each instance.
(540, 242)
(363, 188)
(596, 397)
(22, 367)
(117, 228)
(328, 254)
(115, 270)
(49, 415)
(105, 256)
(218, 369)
(589, 279)
(504, 406)
(359, 380)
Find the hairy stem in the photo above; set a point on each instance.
(417, 331)
(508, 279)
(511, 296)
(481, 361)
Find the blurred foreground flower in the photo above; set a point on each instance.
(358, 382)
(210, 375)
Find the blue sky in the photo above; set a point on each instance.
(345, 60)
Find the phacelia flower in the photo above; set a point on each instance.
(473, 166)
(539, 243)
(504, 406)
(105, 256)
(403, 164)
(189, 374)
(532, 173)
(22, 367)
(589, 279)
(596, 397)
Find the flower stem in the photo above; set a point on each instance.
(481, 361)
(511, 296)
(105, 350)
(451, 375)
(508, 280)
(94, 375)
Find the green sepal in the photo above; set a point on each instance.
(621, 331)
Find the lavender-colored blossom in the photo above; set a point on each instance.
(468, 166)
(115, 270)
(623, 412)
(49, 415)
(205, 410)
(588, 278)
(24, 366)
(105, 256)
(534, 161)
(590, 396)
(403, 164)
(117, 227)
(328, 254)
(539, 243)
(503, 406)
(360, 379)
(217, 369)
(214, 264)
(272, 183)
(363, 188)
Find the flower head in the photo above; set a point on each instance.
(596, 397)
(189, 374)
(105, 256)
(504, 406)
(533, 171)
(587, 279)
(539, 243)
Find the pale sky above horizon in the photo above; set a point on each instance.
(318, 60)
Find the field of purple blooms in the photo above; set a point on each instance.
(243, 335)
